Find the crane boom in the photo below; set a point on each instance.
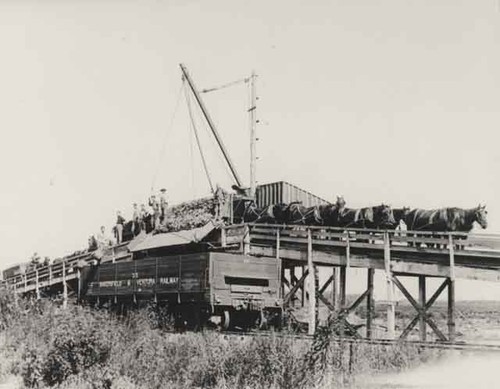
(211, 125)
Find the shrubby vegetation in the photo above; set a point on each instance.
(78, 347)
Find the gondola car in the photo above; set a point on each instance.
(229, 290)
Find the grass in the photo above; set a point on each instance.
(47, 346)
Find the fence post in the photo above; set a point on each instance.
(391, 312)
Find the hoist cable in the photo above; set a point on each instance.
(165, 137)
(194, 129)
(240, 81)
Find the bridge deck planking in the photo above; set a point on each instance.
(479, 259)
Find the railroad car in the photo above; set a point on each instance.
(14, 271)
(198, 289)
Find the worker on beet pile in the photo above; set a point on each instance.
(219, 201)
(136, 220)
(102, 238)
(155, 211)
(143, 215)
(120, 221)
(163, 203)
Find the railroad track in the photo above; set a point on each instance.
(477, 347)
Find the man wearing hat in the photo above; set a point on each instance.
(120, 221)
(163, 203)
(136, 218)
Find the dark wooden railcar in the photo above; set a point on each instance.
(221, 288)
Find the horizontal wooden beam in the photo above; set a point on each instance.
(410, 266)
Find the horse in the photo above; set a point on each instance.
(260, 215)
(329, 215)
(399, 215)
(369, 217)
(299, 214)
(376, 217)
(451, 219)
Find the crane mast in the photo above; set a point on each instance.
(212, 126)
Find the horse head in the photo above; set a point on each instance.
(480, 216)
(400, 214)
(383, 215)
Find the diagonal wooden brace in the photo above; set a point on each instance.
(421, 310)
(296, 287)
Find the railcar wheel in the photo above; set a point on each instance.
(226, 320)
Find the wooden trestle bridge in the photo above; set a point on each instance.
(397, 253)
(300, 253)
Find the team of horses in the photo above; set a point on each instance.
(376, 217)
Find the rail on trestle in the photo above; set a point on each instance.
(301, 250)
(63, 277)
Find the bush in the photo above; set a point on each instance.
(86, 348)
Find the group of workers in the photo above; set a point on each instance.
(154, 213)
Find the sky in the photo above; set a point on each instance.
(394, 101)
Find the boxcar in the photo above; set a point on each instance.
(225, 289)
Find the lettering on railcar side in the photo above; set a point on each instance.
(162, 281)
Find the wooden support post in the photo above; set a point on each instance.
(311, 285)
(451, 310)
(303, 291)
(334, 287)
(316, 300)
(292, 278)
(348, 251)
(451, 292)
(246, 241)
(279, 265)
(422, 301)
(283, 279)
(451, 248)
(37, 285)
(342, 297)
(65, 286)
(223, 237)
(369, 303)
(79, 285)
(50, 274)
(391, 311)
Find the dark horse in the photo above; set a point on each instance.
(296, 213)
(400, 215)
(254, 214)
(380, 216)
(329, 215)
(281, 213)
(446, 219)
